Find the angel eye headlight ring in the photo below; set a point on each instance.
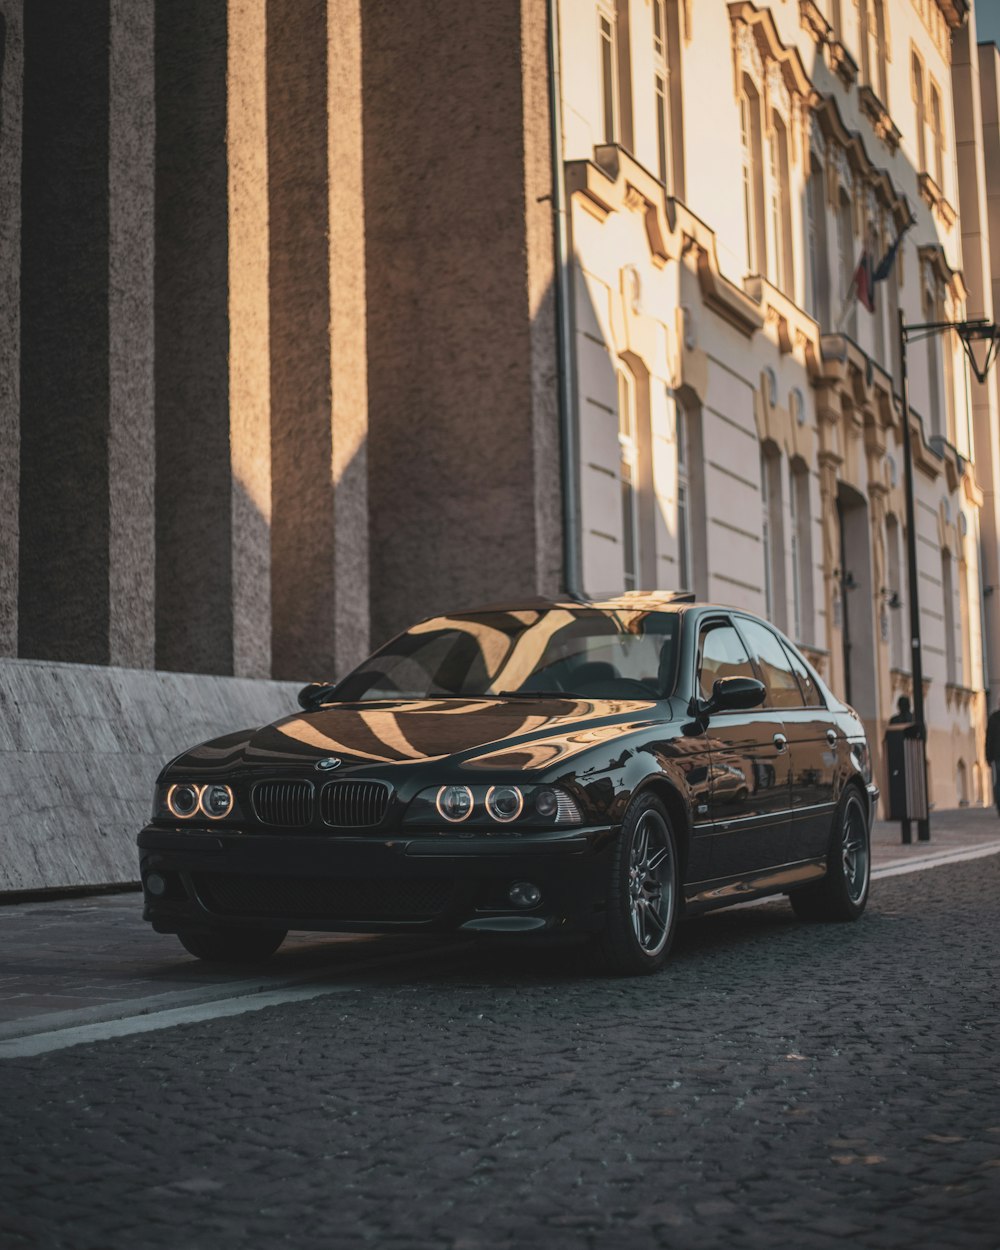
(183, 800)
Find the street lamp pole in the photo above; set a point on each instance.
(985, 334)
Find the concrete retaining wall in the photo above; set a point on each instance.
(80, 748)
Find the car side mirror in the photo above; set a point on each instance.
(315, 694)
(734, 694)
(729, 694)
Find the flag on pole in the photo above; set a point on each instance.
(867, 275)
(884, 267)
(864, 280)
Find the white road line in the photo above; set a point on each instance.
(898, 867)
(60, 1039)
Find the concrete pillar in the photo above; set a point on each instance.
(319, 538)
(193, 497)
(463, 433)
(131, 440)
(63, 609)
(249, 372)
(212, 406)
(11, 74)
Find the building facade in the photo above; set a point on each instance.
(320, 316)
(740, 429)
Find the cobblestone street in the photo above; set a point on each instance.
(780, 1085)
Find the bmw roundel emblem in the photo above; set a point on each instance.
(329, 764)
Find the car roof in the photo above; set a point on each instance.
(632, 600)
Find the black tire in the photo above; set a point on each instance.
(643, 892)
(232, 946)
(842, 894)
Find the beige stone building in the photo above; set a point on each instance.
(320, 316)
(738, 416)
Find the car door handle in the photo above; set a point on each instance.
(780, 741)
(831, 737)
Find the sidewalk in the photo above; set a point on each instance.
(953, 832)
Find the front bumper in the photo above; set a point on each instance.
(391, 882)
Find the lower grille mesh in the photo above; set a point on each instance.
(331, 899)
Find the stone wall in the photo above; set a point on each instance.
(80, 749)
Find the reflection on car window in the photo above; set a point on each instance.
(721, 653)
(782, 687)
(810, 690)
(587, 652)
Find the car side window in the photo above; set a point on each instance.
(721, 653)
(776, 669)
(810, 690)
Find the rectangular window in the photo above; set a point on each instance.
(659, 28)
(683, 523)
(608, 79)
(662, 141)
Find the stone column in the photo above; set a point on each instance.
(249, 372)
(63, 611)
(131, 438)
(11, 81)
(212, 406)
(193, 574)
(319, 536)
(463, 432)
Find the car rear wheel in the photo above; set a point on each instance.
(643, 891)
(843, 892)
(233, 946)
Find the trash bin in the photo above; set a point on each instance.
(904, 762)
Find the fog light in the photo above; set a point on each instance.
(156, 885)
(524, 894)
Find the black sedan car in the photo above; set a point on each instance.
(602, 767)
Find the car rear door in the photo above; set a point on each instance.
(750, 796)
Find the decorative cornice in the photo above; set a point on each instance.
(933, 196)
(876, 112)
(932, 254)
(770, 45)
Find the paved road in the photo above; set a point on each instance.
(782, 1085)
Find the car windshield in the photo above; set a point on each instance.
(585, 652)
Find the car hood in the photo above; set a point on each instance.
(481, 732)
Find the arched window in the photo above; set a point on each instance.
(628, 473)
(882, 53)
(937, 133)
(781, 209)
(692, 535)
(819, 259)
(917, 72)
(801, 536)
(846, 263)
(772, 535)
(610, 113)
(753, 191)
(948, 597)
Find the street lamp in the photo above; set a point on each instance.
(980, 336)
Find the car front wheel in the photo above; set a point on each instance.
(233, 946)
(643, 891)
(843, 892)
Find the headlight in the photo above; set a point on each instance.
(504, 803)
(216, 801)
(182, 800)
(454, 803)
(516, 806)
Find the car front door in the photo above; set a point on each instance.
(750, 795)
(805, 734)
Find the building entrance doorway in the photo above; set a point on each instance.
(857, 620)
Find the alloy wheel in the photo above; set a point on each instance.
(651, 883)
